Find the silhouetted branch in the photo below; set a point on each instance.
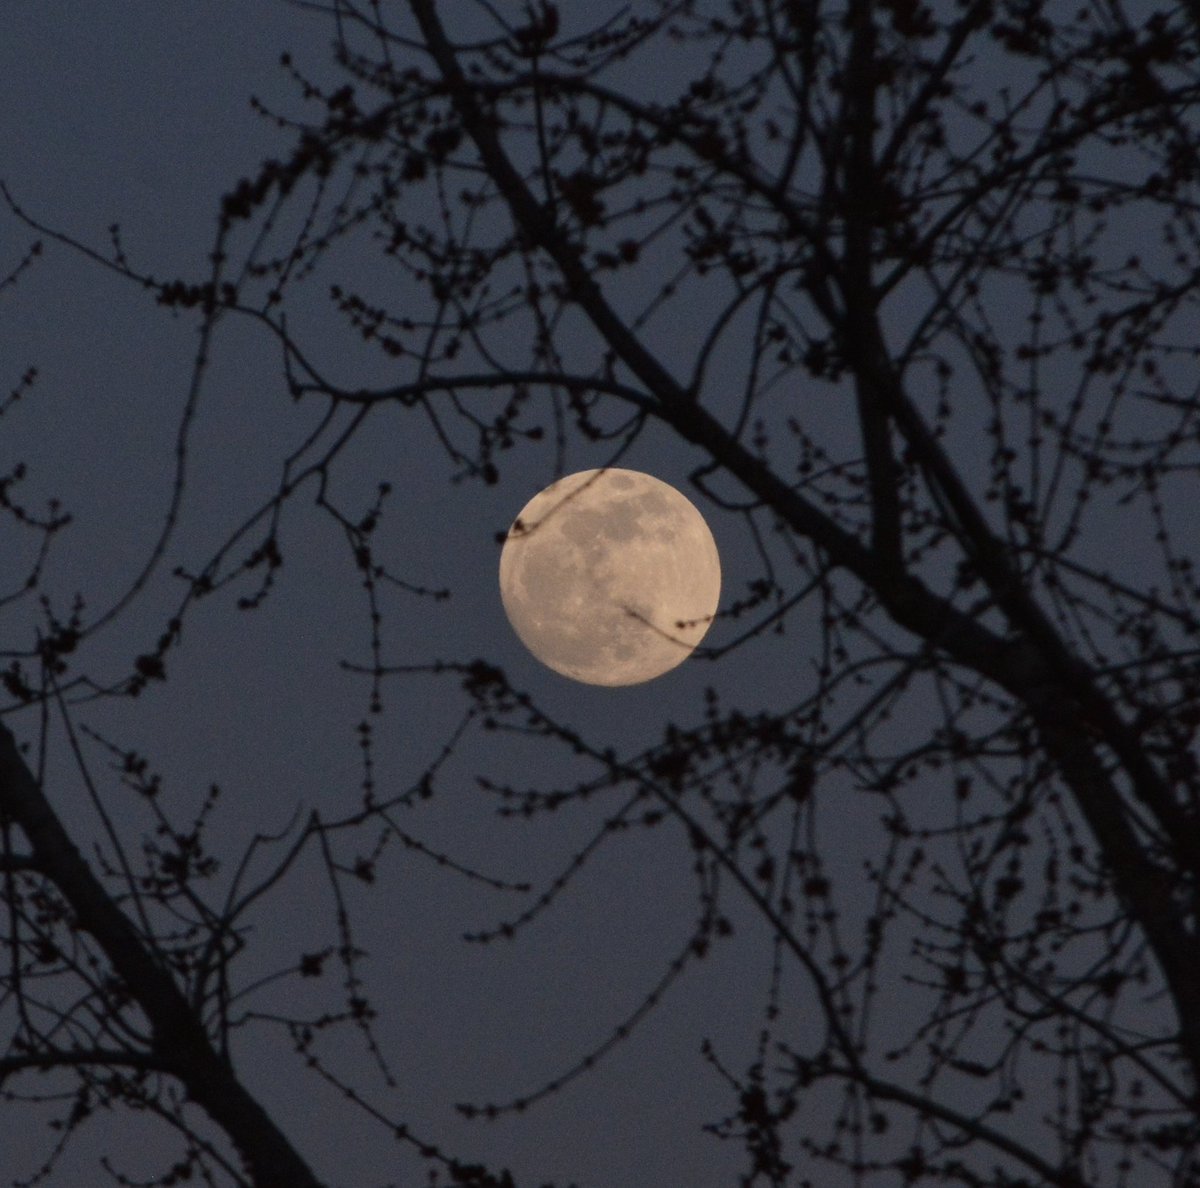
(179, 1041)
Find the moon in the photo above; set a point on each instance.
(610, 577)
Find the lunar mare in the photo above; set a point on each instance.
(610, 577)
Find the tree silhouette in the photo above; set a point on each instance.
(914, 284)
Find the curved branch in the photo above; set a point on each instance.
(930, 1108)
(80, 1057)
(412, 392)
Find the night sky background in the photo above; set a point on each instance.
(139, 114)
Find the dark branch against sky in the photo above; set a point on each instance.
(139, 115)
(931, 747)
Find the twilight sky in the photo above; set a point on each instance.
(138, 113)
(141, 115)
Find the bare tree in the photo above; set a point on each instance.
(916, 283)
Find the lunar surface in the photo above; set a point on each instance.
(610, 577)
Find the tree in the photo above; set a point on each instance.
(914, 287)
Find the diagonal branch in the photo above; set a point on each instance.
(1037, 669)
(180, 1043)
(929, 1107)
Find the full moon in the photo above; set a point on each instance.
(610, 577)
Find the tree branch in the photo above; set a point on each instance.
(17, 863)
(861, 341)
(180, 1043)
(1038, 669)
(76, 1057)
(928, 1107)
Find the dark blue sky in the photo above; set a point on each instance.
(138, 113)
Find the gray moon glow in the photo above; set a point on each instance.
(610, 577)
